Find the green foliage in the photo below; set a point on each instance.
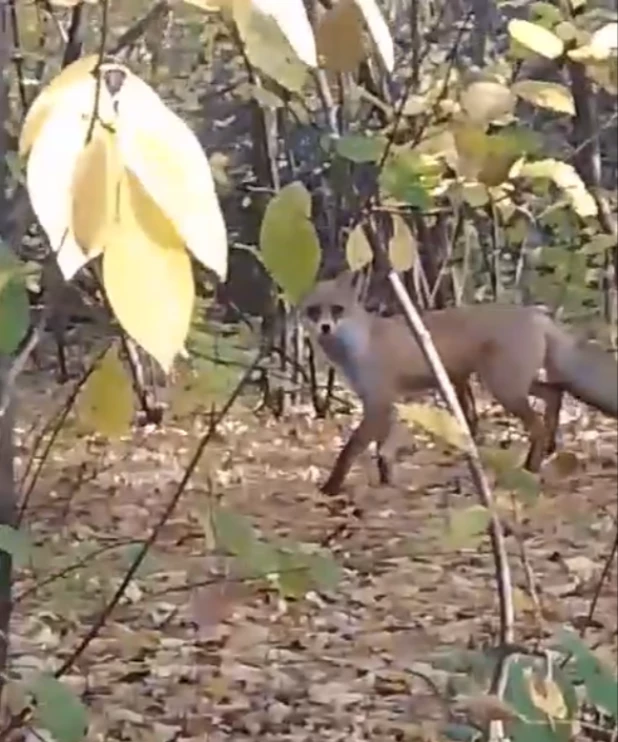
(14, 306)
(600, 684)
(360, 148)
(510, 475)
(17, 543)
(409, 178)
(289, 245)
(293, 569)
(58, 710)
(547, 706)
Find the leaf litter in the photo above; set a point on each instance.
(196, 651)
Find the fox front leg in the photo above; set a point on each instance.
(375, 426)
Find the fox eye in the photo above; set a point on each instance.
(337, 311)
(313, 312)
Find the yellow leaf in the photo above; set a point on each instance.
(402, 245)
(210, 5)
(49, 98)
(484, 101)
(379, 32)
(278, 40)
(603, 46)
(550, 95)
(339, 37)
(51, 167)
(105, 404)
(565, 177)
(357, 250)
(436, 421)
(147, 274)
(95, 185)
(536, 38)
(475, 194)
(168, 160)
(290, 16)
(546, 695)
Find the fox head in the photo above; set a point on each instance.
(338, 322)
(330, 303)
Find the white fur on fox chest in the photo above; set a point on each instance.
(347, 346)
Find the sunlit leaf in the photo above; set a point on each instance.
(536, 38)
(168, 160)
(550, 95)
(147, 274)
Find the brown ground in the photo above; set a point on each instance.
(223, 663)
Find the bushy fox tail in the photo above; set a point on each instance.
(583, 369)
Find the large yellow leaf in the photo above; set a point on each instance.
(339, 37)
(48, 98)
(289, 245)
(550, 95)
(51, 166)
(105, 404)
(147, 274)
(167, 158)
(95, 184)
(536, 38)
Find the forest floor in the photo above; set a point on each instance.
(195, 653)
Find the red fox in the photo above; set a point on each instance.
(505, 345)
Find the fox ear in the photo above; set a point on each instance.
(346, 280)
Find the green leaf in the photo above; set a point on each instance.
(234, 533)
(545, 14)
(467, 527)
(461, 733)
(600, 683)
(289, 244)
(18, 544)
(294, 577)
(510, 475)
(14, 305)
(105, 404)
(360, 148)
(59, 710)
(600, 243)
(409, 177)
(535, 723)
(324, 570)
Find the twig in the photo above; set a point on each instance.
(149, 542)
(597, 593)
